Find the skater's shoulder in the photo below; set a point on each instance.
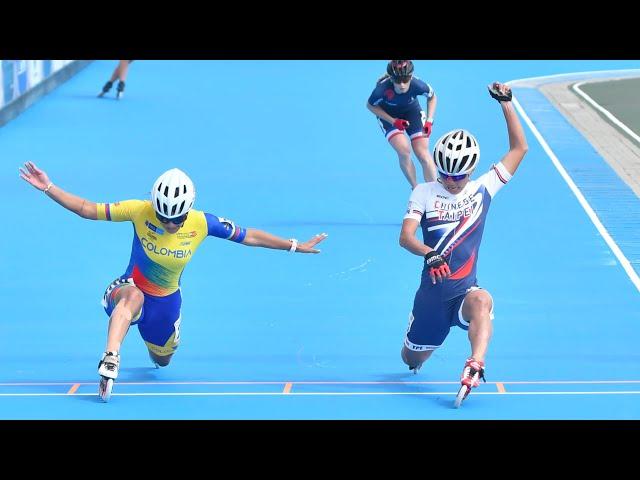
(424, 188)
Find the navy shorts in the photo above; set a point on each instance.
(416, 118)
(431, 320)
(159, 320)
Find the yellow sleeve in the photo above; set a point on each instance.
(120, 211)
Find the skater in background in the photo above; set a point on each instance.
(167, 232)
(395, 104)
(452, 213)
(120, 74)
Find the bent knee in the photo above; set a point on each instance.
(136, 295)
(413, 358)
(423, 157)
(131, 296)
(163, 360)
(478, 301)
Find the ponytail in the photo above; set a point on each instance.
(382, 78)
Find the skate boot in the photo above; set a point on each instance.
(106, 88)
(120, 90)
(108, 368)
(471, 375)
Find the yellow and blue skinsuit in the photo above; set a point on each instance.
(157, 261)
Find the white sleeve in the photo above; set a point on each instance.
(417, 202)
(496, 178)
(430, 92)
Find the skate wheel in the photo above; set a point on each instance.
(462, 393)
(104, 390)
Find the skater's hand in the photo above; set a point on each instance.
(438, 268)
(427, 128)
(500, 92)
(36, 177)
(307, 247)
(400, 123)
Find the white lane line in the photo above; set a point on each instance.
(257, 394)
(302, 382)
(583, 202)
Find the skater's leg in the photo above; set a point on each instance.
(161, 328)
(477, 312)
(123, 301)
(413, 359)
(160, 361)
(120, 74)
(105, 89)
(123, 70)
(129, 300)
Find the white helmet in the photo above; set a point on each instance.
(456, 153)
(173, 194)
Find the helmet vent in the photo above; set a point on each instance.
(463, 163)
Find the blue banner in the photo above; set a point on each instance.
(18, 76)
(7, 82)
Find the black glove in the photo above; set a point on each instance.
(500, 97)
(438, 268)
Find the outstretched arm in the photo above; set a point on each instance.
(259, 238)
(40, 180)
(517, 141)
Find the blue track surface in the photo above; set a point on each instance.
(611, 198)
(290, 148)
